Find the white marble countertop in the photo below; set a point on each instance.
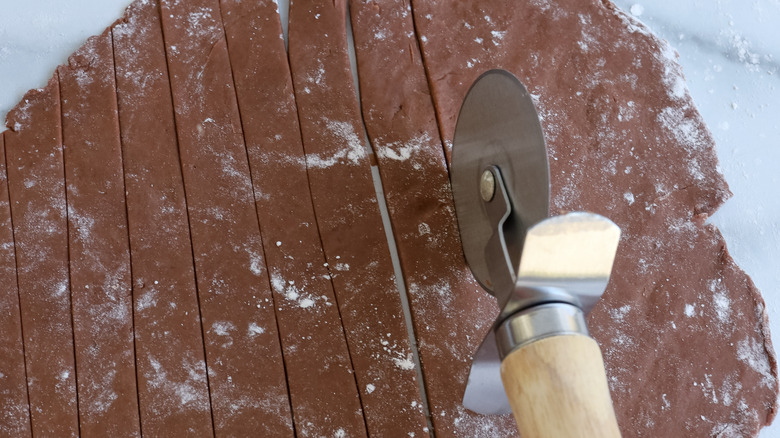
(729, 50)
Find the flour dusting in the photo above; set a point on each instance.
(223, 329)
(296, 293)
(255, 330)
(721, 301)
(351, 151)
(402, 151)
(405, 364)
(752, 353)
(620, 313)
(190, 392)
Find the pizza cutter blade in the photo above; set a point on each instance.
(498, 126)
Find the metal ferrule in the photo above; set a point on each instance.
(539, 322)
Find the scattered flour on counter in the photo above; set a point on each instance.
(739, 48)
(690, 310)
(370, 388)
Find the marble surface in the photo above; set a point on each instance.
(729, 50)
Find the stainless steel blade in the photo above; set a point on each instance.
(485, 391)
(498, 126)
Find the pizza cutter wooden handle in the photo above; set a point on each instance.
(557, 388)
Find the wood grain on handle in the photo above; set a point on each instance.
(557, 388)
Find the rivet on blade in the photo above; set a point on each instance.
(487, 185)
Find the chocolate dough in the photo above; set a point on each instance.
(349, 220)
(97, 243)
(36, 187)
(245, 368)
(322, 384)
(683, 330)
(451, 312)
(14, 406)
(172, 387)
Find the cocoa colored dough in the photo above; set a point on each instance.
(97, 243)
(451, 312)
(14, 406)
(349, 220)
(683, 329)
(245, 370)
(168, 340)
(36, 186)
(322, 385)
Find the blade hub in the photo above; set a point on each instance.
(487, 185)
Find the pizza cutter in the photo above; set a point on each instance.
(545, 272)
